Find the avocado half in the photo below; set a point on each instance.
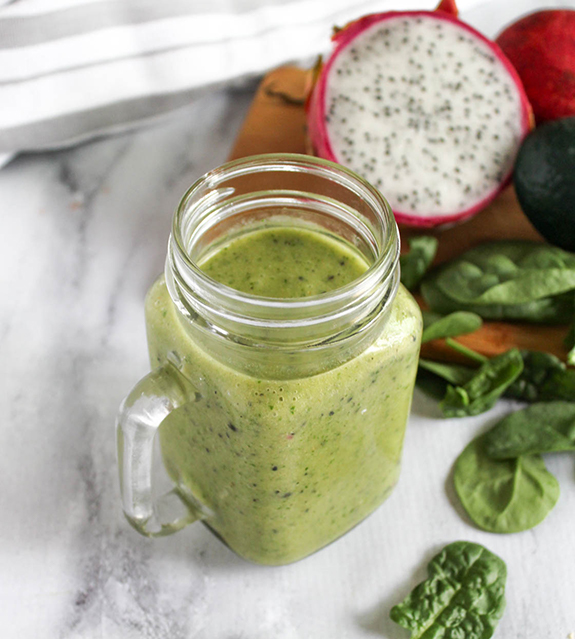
(545, 181)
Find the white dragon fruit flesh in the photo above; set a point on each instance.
(425, 108)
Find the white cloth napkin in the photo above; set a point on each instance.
(74, 69)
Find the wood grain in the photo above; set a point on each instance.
(275, 123)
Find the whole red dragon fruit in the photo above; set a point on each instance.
(425, 108)
(541, 47)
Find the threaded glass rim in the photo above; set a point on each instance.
(187, 280)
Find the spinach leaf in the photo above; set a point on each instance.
(504, 496)
(509, 273)
(506, 280)
(432, 385)
(463, 596)
(415, 263)
(452, 373)
(452, 325)
(541, 428)
(432, 377)
(526, 286)
(561, 385)
(551, 310)
(544, 378)
(467, 352)
(486, 386)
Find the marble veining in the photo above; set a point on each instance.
(83, 235)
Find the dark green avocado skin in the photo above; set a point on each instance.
(545, 181)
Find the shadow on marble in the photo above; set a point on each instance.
(200, 548)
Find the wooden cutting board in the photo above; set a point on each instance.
(276, 123)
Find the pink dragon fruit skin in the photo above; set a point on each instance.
(323, 145)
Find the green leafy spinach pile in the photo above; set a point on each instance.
(513, 280)
(500, 477)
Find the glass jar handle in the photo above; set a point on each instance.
(151, 400)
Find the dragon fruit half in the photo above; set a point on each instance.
(425, 108)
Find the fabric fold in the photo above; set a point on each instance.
(73, 69)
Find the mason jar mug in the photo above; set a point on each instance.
(280, 416)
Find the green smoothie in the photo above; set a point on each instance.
(285, 262)
(286, 466)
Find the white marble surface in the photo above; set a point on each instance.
(83, 234)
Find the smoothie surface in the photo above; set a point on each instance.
(285, 262)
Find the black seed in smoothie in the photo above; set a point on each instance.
(232, 427)
(274, 467)
(286, 495)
